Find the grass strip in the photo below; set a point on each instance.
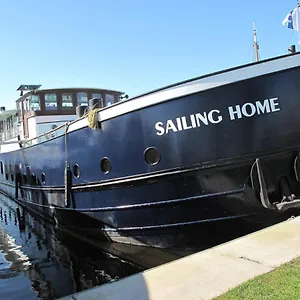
(282, 283)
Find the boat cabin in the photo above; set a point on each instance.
(39, 111)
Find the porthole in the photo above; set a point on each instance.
(43, 178)
(76, 171)
(152, 156)
(6, 176)
(12, 177)
(105, 165)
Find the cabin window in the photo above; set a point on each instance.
(1, 166)
(20, 108)
(97, 95)
(67, 100)
(26, 104)
(50, 101)
(109, 99)
(34, 103)
(82, 98)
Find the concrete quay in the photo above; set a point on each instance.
(209, 273)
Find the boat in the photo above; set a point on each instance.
(170, 168)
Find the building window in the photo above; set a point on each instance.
(67, 100)
(34, 103)
(109, 99)
(50, 101)
(82, 98)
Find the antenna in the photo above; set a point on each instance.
(255, 44)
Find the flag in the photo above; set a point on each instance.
(288, 20)
(292, 20)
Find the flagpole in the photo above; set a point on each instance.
(255, 45)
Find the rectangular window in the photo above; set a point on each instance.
(26, 104)
(1, 165)
(50, 101)
(97, 95)
(34, 103)
(82, 98)
(67, 100)
(109, 99)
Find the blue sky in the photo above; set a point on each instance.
(132, 45)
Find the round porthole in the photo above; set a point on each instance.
(105, 165)
(76, 171)
(43, 178)
(152, 156)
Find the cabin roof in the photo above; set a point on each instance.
(77, 89)
(7, 113)
(28, 87)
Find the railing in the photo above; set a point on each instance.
(60, 130)
(9, 134)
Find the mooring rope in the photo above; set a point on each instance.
(93, 118)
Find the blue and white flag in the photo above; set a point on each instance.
(292, 20)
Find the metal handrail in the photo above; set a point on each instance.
(29, 142)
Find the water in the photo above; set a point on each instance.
(39, 261)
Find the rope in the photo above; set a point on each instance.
(93, 118)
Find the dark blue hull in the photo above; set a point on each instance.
(205, 181)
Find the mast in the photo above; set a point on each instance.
(255, 44)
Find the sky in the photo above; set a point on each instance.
(133, 46)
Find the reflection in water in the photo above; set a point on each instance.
(38, 262)
(41, 261)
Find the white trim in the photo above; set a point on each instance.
(78, 124)
(195, 86)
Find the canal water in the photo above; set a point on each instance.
(40, 261)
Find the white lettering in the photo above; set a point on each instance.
(170, 126)
(262, 107)
(193, 121)
(159, 128)
(232, 112)
(214, 116)
(274, 104)
(179, 125)
(201, 118)
(184, 124)
(211, 119)
(252, 107)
